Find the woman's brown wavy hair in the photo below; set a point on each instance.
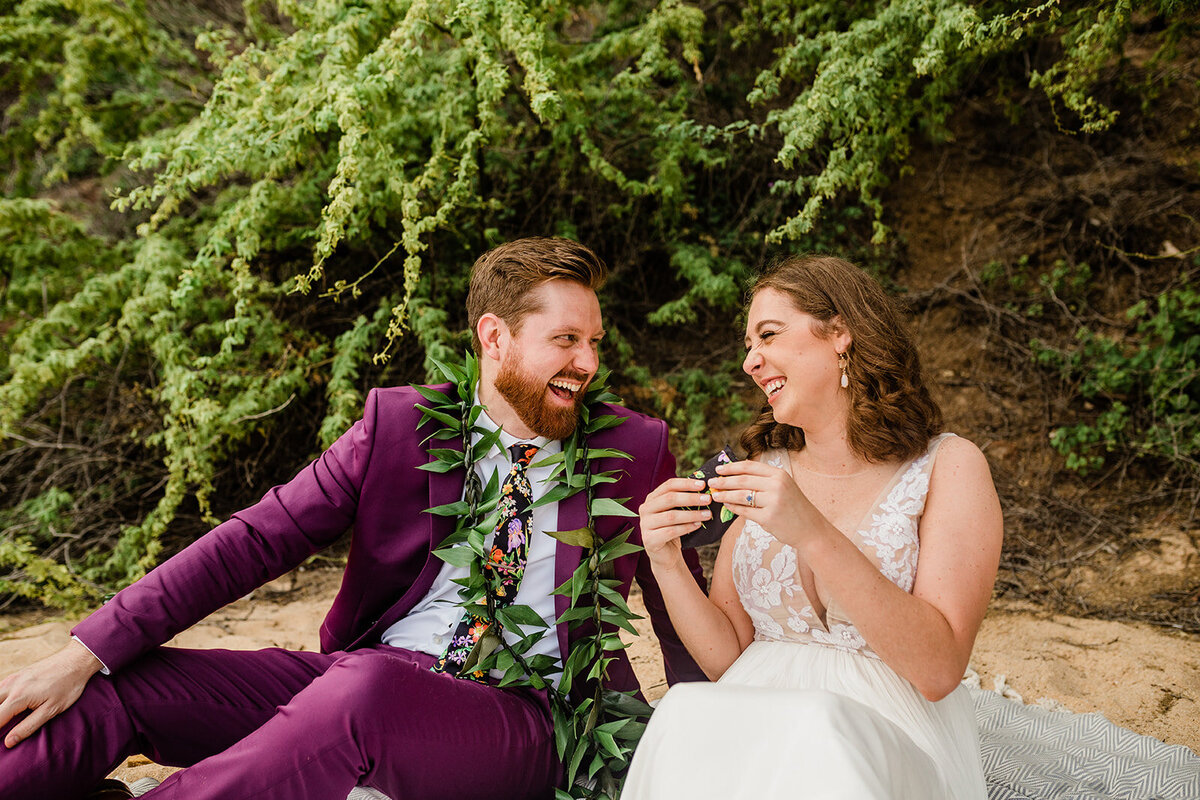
(892, 415)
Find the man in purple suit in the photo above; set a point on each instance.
(368, 709)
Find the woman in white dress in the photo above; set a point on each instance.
(846, 597)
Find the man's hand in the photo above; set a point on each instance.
(45, 689)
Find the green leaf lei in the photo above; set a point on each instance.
(595, 736)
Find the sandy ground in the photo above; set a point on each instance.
(1144, 678)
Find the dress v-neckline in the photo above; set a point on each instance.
(880, 496)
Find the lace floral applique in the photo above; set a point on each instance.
(842, 636)
(766, 585)
(893, 531)
(765, 626)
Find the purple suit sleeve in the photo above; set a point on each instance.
(257, 545)
(677, 662)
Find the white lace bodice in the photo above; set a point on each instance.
(765, 570)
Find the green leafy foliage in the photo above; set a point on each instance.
(88, 77)
(299, 194)
(30, 527)
(1144, 382)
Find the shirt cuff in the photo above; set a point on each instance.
(103, 669)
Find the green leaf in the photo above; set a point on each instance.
(455, 538)
(544, 664)
(513, 617)
(525, 615)
(593, 717)
(614, 727)
(438, 466)
(626, 704)
(632, 731)
(596, 765)
(555, 494)
(620, 551)
(608, 452)
(606, 741)
(575, 615)
(611, 644)
(618, 619)
(456, 509)
(452, 374)
(562, 730)
(580, 537)
(476, 538)
(580, 751)
(607, 397)
(604, 423)
(485, 444)
(570, 453)
(482, 649)
(610, 593)
(549, 461)
(608, 507)
(503, 660)
(579, 581)
(432, 395)
(456, 556)
(450, 422)
(581, 656)
(618, 546)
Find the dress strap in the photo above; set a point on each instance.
(931, 451)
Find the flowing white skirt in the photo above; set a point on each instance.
(808, 721)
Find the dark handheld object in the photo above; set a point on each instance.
(713, 528)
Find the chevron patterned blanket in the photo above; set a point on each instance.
(1034, 753)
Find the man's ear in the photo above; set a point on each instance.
(493, 333)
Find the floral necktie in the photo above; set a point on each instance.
(507, 559)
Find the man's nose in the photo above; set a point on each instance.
(587, 358)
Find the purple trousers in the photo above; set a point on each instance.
(291, 725)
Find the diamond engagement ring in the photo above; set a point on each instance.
(750, 499)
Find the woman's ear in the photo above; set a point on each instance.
(493, 334)
(841, 335)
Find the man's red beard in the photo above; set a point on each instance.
(527, 396)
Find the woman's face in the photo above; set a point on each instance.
(796, 370)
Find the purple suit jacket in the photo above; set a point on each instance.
(368, 481)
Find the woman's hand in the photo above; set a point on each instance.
(676, 507)
(767, 495)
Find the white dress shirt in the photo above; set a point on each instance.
(430, 624)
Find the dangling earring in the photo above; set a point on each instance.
(843, 363)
